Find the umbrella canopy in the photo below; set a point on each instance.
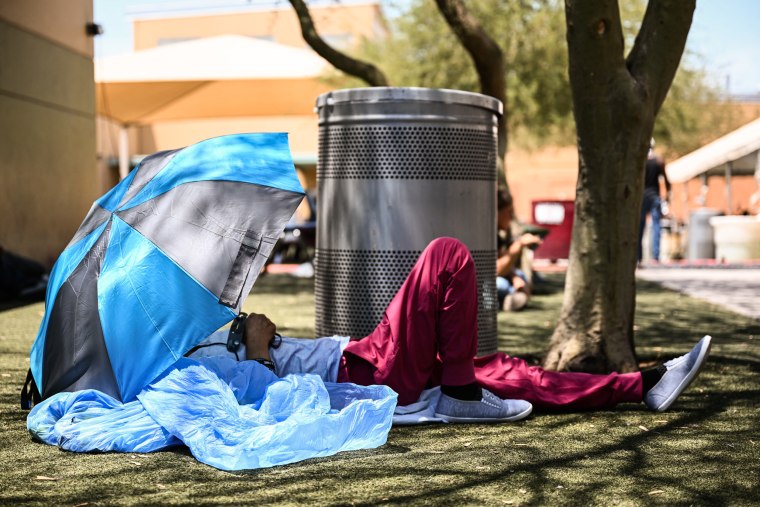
(161, 261)
(227, 75)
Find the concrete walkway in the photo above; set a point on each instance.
(735, 289)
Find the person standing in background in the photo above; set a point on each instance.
(652, 204)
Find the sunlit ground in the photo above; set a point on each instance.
(702, 452)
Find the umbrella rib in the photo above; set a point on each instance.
(173, 100)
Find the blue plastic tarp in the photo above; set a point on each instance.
(231, 415)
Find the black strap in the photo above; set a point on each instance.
(234, 287)
(30, 395)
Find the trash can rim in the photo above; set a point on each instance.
(410, 94)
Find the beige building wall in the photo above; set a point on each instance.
(47, 124)
(549, 173)
(341, 24)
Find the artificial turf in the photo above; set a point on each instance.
(704, 451)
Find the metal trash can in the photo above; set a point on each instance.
(397, 168)
(701, 239)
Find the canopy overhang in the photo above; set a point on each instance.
(735, 154)
(228, 75)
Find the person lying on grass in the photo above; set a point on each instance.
(428, 337)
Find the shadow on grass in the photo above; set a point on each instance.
(19, 303)
(702, 452)
(280, 284)
(587, 494)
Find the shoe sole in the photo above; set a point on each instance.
(471, 420)
(688, 378)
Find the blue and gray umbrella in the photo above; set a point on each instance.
(161, 261)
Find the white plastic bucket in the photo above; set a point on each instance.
(737, 237)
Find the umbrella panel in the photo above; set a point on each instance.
(75, 355)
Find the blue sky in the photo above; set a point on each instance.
(724, 32)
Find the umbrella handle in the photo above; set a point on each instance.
(237, 332)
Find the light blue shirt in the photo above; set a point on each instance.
(320, 356)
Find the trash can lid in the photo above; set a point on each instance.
(401, 94)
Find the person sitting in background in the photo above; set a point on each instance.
(513, 285)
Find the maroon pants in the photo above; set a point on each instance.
(428, 336)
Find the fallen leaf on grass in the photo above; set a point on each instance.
(523, 491)
(660, 421)
(6, 374)
(45, 478)
(81, 504)
(160, 486)
(643, 428)
(135, 463)
(656, 492)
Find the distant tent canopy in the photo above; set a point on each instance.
(215, 77)
(734, 154)
(227, 75)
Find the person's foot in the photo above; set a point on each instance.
(679, 373)
(515, 302)
(489, 409)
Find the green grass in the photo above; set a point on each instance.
(703, 452)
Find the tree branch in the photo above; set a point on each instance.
(486, 55)
(656, 54)
(363, 70)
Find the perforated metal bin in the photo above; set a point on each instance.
(397, 168)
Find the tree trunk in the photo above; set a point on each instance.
(615, 102)
(371, 74)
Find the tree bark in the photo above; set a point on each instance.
(615, 102)
(368, 72)
(486, 55)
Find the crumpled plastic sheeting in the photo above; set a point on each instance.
(89, 420)
(231, 415)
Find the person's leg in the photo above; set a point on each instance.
(511, 377)
(658, 388)
(428, 330)
(503, 289)
(656, 213)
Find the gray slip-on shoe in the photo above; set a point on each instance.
(489, 409)
(680, 372)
